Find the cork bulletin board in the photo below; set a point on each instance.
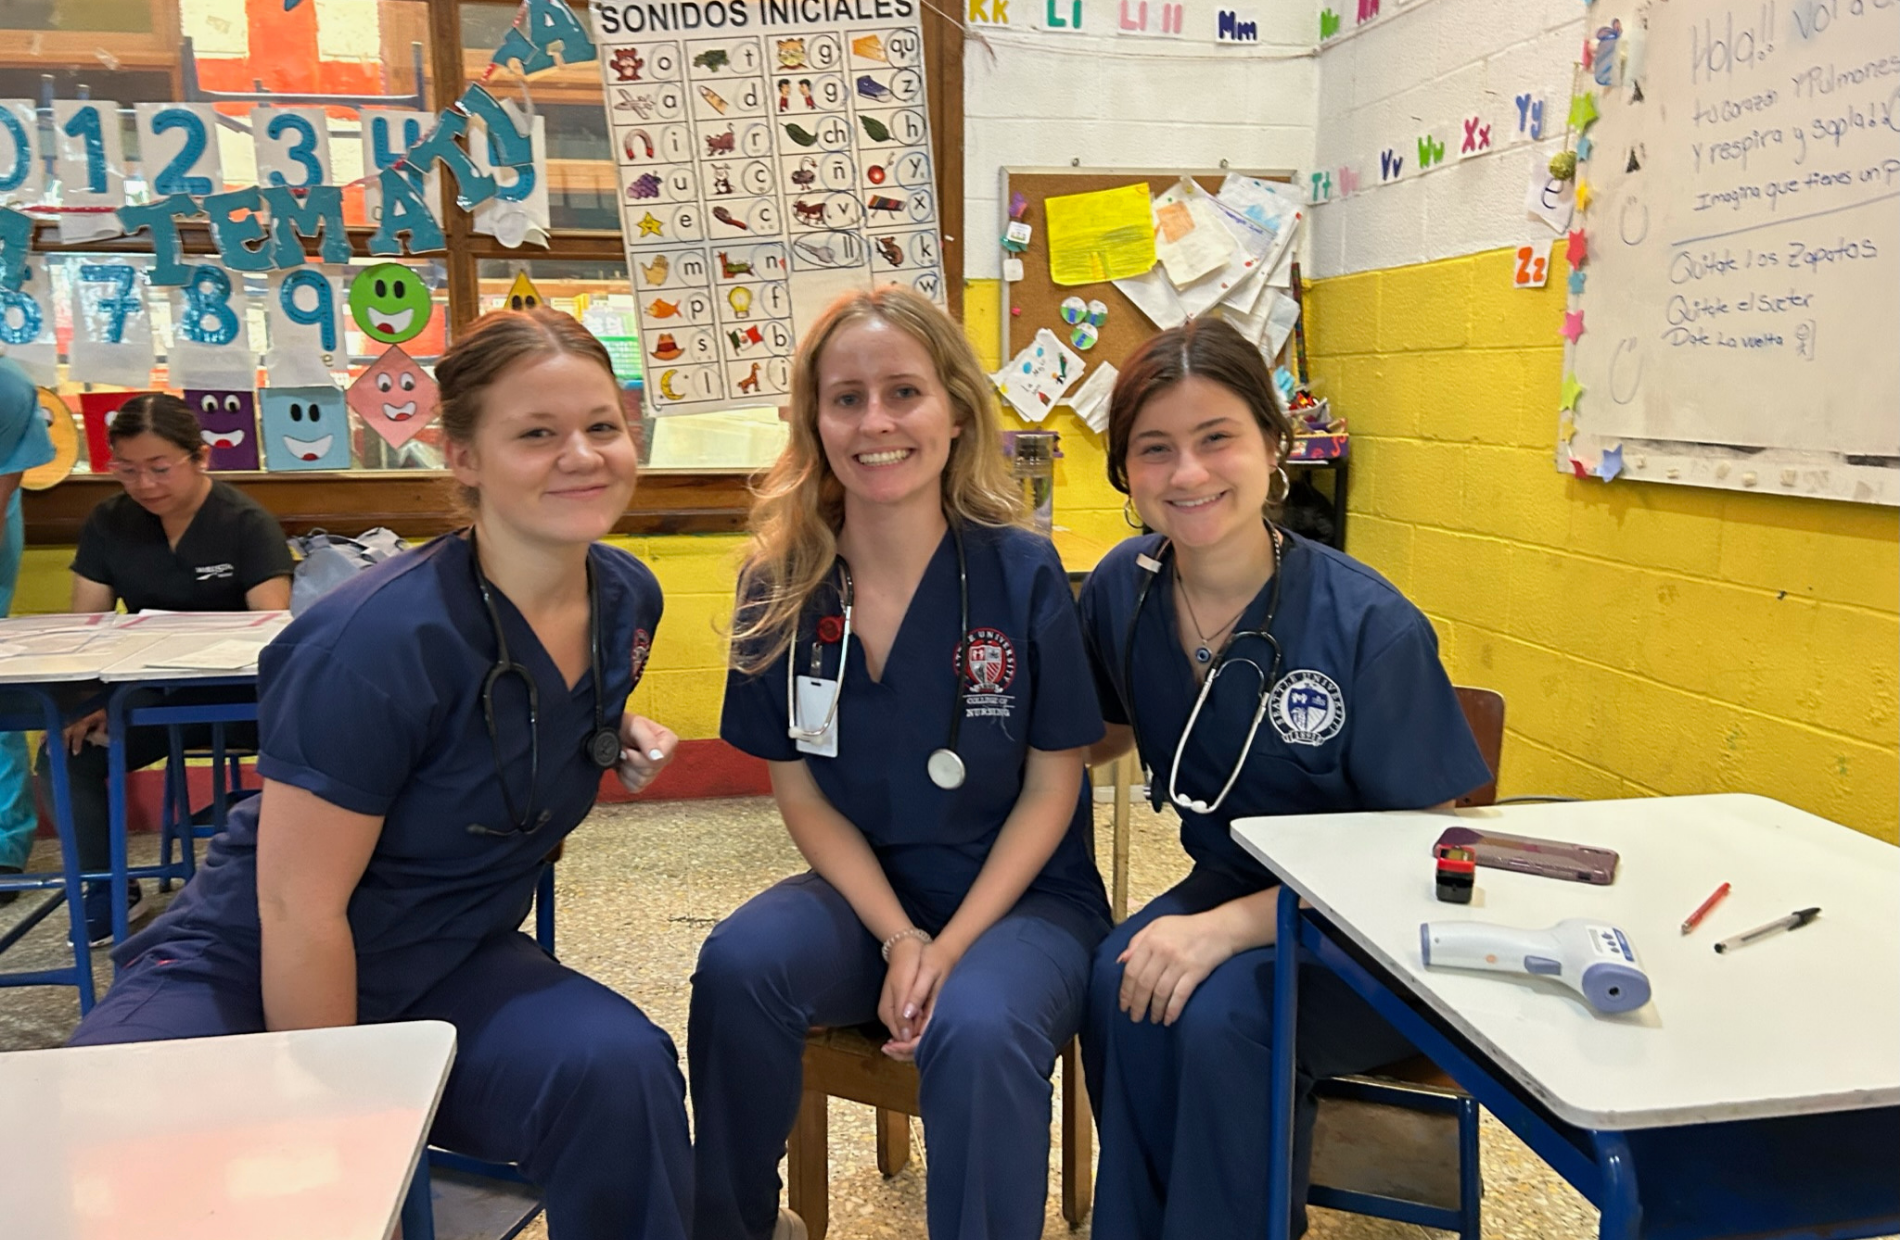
(1040, 298)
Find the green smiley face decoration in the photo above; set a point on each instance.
(390, 303)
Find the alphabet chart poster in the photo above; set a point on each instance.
(772, 154)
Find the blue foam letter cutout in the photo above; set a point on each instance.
(240, 239)
(472, 186)
(162, 218)
(547, 23)
(319, 210)
(404, 211)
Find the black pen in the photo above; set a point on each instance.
(1793, 921)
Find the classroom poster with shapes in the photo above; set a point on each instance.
(763, 171)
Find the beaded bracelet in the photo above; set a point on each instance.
(908, 932)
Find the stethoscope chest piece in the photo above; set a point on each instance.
(604, 748)
(946, 769)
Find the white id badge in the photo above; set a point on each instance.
(815, 699)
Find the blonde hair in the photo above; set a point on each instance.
(798, 507)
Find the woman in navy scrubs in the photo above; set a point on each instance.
(1359, 716)
(929, 766)
(428, 732)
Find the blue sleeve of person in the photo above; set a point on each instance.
(1409, 745)
(753, 719)
(347, 726)
(1103, 633)
(1067, 715)
(24, 441)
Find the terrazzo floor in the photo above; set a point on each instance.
(637, 891)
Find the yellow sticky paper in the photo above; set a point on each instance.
(1104, 235)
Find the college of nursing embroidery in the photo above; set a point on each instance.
(1307, 708)
(989, 664)
(214, 572)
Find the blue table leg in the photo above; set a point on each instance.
(1622, 1217)
(1286, 983)
(69, 851)
(115, 807)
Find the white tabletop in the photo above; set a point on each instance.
(1797, 1023)
(272, 1136)
(106, 647)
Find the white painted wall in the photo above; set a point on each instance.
(1045, 98)
(1039, 97)
(1425, 64)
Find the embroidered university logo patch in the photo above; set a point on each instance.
(642, 646)
(989, 666)
(1307, 708)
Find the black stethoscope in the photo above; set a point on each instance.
(944, 766)
(1268, 678)
(602, 746)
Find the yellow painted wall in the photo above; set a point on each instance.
(1648, 639)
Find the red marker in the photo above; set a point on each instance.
(1702, 910)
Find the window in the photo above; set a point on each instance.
(363, 59)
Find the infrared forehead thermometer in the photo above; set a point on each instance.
(1593, 958)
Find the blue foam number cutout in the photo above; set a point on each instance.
(15, 176)
(162, 218)
(384, 153)
(208, 296)
(16, 236)
(31, 320)
(302, 151)
(118, 305)
(85, 124)
(323, 317)
(173, 178)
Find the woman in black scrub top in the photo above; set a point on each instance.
(176, 539)
(1359, 716)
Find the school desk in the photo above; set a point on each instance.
(307, 1135)
(1756, 1094)
(212, 652)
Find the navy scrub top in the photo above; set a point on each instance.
(372, 700)
(1364, 717)
(1027, 685)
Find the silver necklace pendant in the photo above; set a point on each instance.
(1203, 655)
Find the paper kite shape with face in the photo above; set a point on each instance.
(395, 397)
(228, 425)
(305, 428)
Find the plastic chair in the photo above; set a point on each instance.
(454, 1197)
(1401, 1142)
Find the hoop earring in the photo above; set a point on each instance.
(1286, 487)
(1132, 517)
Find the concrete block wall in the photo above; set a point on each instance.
(1647, 639)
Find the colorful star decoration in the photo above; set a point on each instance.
(1573, 325)
(1582, 470)
(1589, 53)
(1571, 390)
(1583, 111)
(1584, 194)
(1612, 463)
(1576, 283)
(649, 226)
(1328, 23)
(1566, 429)
(1576, 249)
(1585, 146)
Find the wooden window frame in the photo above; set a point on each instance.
(667, 501)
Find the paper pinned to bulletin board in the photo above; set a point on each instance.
(1034, 302)
(1100, 235)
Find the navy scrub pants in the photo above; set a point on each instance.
(795, 956)
(553, 1072)
(1183, 1109)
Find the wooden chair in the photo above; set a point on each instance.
(1401, 1142)
(848, 1064)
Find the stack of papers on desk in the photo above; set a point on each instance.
(229, 655)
